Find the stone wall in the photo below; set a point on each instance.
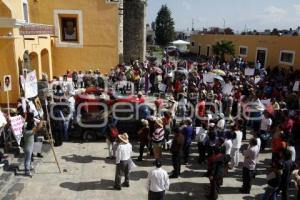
(134, 30)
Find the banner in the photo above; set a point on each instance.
(208, 78)
(31, 88)
(17, 124)
(162, 87)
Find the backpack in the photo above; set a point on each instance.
(114, 132)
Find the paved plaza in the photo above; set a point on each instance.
(87, 174)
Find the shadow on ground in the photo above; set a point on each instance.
(94, 185)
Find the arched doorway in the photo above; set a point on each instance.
(45, 63)
(34, 63)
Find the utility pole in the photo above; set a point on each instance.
(193, 24)
(224, 24)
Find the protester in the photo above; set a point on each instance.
(144, 136)
(123, 159)
(286, 174)
(273, 180)
(157, 182)
(249, 166)
(158, 139)
(188, 137)
(177, 152)
(236, 145)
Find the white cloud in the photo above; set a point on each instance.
(297, 8)
(186, 5)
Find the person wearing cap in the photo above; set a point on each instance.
(157, 182)
(144, 134)
(158, 138)
(123, 160)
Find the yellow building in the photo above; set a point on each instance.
(59, 35)
(269, 50)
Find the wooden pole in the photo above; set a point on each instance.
(50, 137)
(8, 106)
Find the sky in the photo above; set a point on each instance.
(237, 14)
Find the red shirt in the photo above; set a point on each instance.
(201, 108)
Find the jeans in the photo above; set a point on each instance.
(270, 194)
(187, 152)
(122, 168)
(176, 162)
(66, 129)
(235, 157)
(202, 152)
(28, 149)
(248, 176)
(111, 148)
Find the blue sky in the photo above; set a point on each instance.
(238, 14)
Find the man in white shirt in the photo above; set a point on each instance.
(158, 182)
(265, 126)
(123, 159)
(228, 144)
(250, 159)
(236, 145)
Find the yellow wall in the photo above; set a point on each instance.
(100, 34)
(16, 8)
(273, 44)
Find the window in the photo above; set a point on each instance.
(243, 51)
(193, 44)
(69, 28)
(25, 11)
(287, 57)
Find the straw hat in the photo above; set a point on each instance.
(124, 138)
(159, 122)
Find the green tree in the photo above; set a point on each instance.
(164, 31)
(223, 48)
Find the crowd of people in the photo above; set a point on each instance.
(216, 105)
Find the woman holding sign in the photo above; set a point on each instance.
(31, 126)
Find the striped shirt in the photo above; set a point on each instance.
(158, 135)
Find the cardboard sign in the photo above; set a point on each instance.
(257, 80)
(31, 88)
(227, 89)
(208, 78)
(162, 87)
(266, 102)
(249, 71)
(296, 86)
(17, 124)
(7, 83)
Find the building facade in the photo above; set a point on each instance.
(270, 51)
(58, 35)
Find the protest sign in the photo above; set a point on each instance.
(7, 83)
(162, 87)
(31, 88)
(257, 80)
(227, 89)
(296, 86)
(208, 78)
(3, 121)
(266, 101)
(249, 71)
(17, 124)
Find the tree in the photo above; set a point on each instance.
(164, 31)
(275, 32)
(223, 48)
(228, 31)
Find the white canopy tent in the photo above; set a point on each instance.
(181, 45)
